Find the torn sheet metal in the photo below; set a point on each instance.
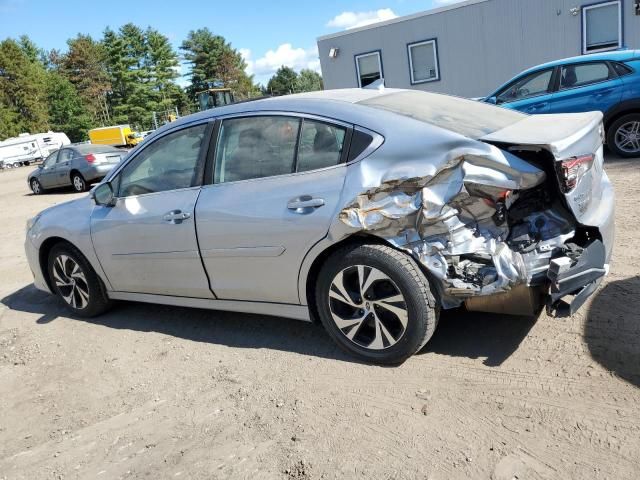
(452, 219)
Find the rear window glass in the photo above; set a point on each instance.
(466, 117)
(96, 149)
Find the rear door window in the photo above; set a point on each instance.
(574, 76)
(256, 147)
(320, 145)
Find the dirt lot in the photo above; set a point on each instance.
(158, 392)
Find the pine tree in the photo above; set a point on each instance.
(283, 82)
(67, 113)
(22, 90)
(214, 61)
(308, 81)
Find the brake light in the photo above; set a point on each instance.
(90, 158)
(573, 169)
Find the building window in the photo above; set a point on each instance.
(423, 61)
(369, 68)
(602, 27)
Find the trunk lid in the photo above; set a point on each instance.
(567, 140)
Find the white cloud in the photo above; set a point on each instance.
(264, 67)
(348, 20)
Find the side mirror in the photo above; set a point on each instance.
(103, 195)
(491, 100)
(40, 166)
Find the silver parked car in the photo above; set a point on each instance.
(75, 165)
(368, 210)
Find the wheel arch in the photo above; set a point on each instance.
(74, 171)
(620, 110)
(354, 240)
(43, 256)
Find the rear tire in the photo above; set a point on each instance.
(78, 182)
(75, 282)
(623, 136)
(376, 303)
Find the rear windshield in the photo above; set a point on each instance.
(470, 118)
(86, 149)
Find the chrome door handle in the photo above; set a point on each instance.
(176, 216)
(305, 204)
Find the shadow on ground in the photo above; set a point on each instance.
(479, 335)
(612, 329)
(459, 334)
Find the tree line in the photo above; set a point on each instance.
(120, 78)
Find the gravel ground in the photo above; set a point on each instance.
(158, 392)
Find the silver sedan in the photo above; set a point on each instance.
(75, 165)
(369, 211)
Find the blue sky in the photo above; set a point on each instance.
(268, 33)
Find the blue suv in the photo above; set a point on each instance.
(609, 82)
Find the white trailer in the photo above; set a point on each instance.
(26, 148)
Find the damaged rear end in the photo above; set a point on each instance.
(516, 220)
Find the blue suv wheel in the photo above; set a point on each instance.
(623, 136)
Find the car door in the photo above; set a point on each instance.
(146, 242)
(587, 87)
(47, 174)
(276, 188)
(531, 93)
(63, 167)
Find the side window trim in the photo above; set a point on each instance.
(200, 166)
(613, 75)
(209, 173)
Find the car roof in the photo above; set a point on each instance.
(382, 110)
(616, 56)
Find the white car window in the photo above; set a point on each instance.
(169, 163)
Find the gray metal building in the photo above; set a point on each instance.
(472, 47)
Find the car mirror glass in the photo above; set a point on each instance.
(103, 194)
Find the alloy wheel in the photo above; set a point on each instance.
(627, 137)
(35, 186)
(368, 307)
(78, 183)
(71, 282)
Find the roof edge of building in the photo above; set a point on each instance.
(404, 18)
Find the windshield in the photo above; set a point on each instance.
(467, 117)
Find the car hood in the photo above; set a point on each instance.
(34, 173)
(77, 207)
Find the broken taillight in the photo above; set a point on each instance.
(572, 170)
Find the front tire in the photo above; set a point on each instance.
(78, 182)
(623, 136)
(376, 303)
(75, 282)
(36, 187)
